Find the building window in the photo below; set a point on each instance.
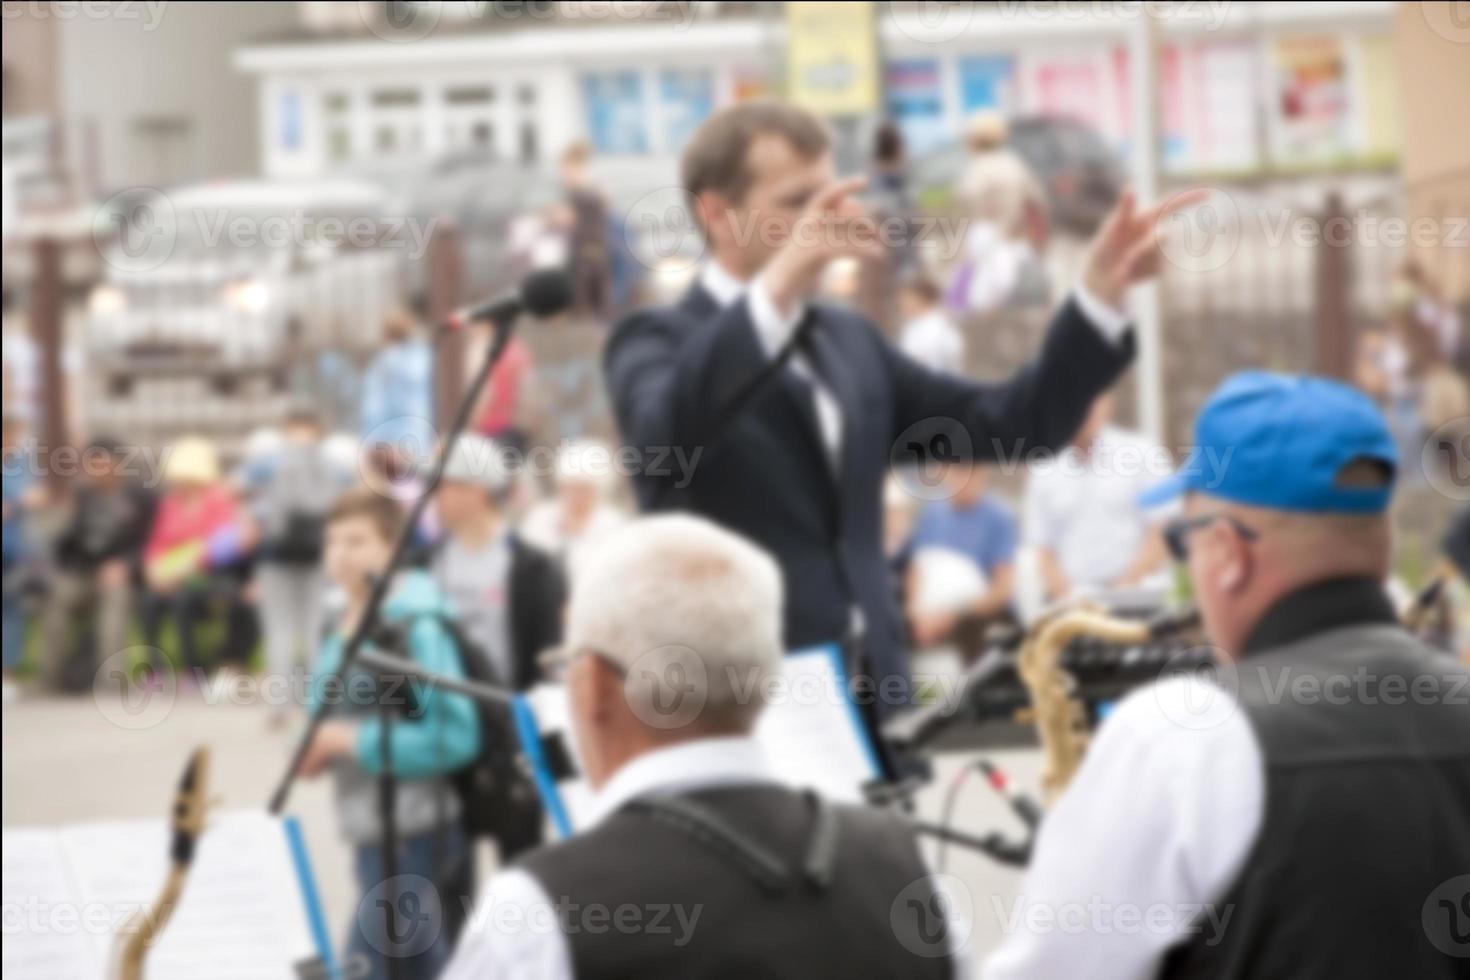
(615, 111)
(386, 140)
(987, 82)
(688, 97)
(475, 95)
(290, 107)
(395, 98)
(529, 150)
(916, 102)
(339, 144)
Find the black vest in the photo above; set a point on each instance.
(1365, 735)
(720, 914)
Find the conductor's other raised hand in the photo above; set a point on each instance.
(1125, 250)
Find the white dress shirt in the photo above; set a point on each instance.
(513, 930)
(774, 330)
(1083, 507)
(935, 342)
(1141, 850)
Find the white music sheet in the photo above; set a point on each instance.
(810, 729)
(243, 914)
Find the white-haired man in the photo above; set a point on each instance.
(1308, 818)
(697, 862)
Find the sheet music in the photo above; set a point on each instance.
(242, 915)
(809, 730)
(812, 734)
(47, 939)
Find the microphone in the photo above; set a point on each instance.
(543, 293)
(914, 729)
(1172, 621)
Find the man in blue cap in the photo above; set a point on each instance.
(1304, 813)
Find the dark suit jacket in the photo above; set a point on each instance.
(671, 372)
(536, 593)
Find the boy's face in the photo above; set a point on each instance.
(459, 503)
(354, 551)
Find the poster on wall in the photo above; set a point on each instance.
(1311, 99)
(1208, 98)
(688, 98)
(832, 57)
(615, 116)
(916, 102)
(987, 82)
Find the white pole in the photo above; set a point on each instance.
(1143, 79)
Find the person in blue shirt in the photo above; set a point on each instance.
(17, 488)
(977, 527)
(434, 734)
(397, 409)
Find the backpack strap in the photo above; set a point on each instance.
(714, 833)
(821, 855)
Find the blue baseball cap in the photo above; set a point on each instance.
(1279, 441)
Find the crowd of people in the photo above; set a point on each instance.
(264, 562)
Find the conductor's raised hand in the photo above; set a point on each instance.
(832, 225)
(1125, 250)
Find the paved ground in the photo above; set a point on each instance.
(69, 761)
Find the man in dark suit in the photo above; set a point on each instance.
(797, 410)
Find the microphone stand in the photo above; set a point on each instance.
(367, 624)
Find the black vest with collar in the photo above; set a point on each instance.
(831, 891)
(1361, 868)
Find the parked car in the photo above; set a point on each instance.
(1081, 172)
(211, 295)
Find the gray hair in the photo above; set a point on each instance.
(676, 600)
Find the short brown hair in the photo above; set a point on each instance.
(923, 287)
(714, 160)
(362, 502)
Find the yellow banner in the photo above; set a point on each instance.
(832, 57)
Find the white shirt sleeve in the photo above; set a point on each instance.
(1136, 855)
(1037, 528)
(512, 934)
(1111, 323)
(771, 327)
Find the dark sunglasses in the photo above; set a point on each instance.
(1177, 532)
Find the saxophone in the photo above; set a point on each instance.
(144, 926)
(1059, 714)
